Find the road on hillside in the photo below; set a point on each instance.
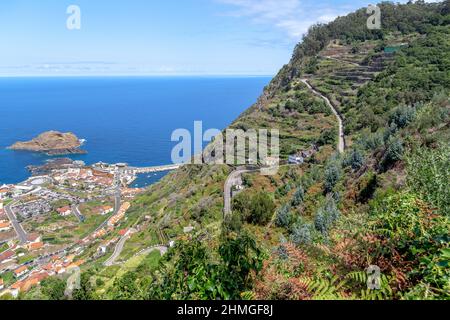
(341, 142)
(76, 211)
(21, 234)
(117, 251)
(229, 183)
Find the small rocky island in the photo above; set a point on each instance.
(52, 143)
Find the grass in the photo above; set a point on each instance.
(110, 274)
(8, 278)
(4, 247)
(56, 229)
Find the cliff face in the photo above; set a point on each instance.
(51, 142)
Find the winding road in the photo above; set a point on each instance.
(341, 142)
(235, 175)
(117, 251)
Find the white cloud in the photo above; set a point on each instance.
(294, 17)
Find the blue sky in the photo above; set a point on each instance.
(157, 37)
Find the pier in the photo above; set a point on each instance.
(139, 170)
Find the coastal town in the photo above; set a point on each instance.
(54, 222)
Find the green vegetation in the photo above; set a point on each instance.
(254, 208)
(384, 202)
(53, 288)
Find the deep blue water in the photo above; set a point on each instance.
(123, 119)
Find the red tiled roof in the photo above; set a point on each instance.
(20, 270)
(35, 246)
(32, 237)
(63, 209)
(6, 255)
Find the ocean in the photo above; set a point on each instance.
(123, 119)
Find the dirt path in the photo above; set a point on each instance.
(341, 142)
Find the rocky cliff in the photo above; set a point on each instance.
(52, 143)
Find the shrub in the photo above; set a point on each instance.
(372, 141)
(413, 240)
(332, 176)
(326, 216)
(302, 234)
(394, 152)
(402, 116)
(327, 137)
(262, 207)
(53, 288)
(355, 160)
(284, 217)
(298, 197)
(429, 175)
(256, 209)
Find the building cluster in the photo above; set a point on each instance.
(42, 204)
(11, 191)
(5, 224)
(114, 220)
(110, 225)
(125, 174)
(14, 251)
(91, 179)
(131, 192)
(33, 261)
(32, 273)
(26, 278)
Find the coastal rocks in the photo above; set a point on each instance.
(52, 143)
(55, 164)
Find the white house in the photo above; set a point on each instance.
(5, 226)
(106, 210)
(20, 271)
(296, 159)
(64, 211)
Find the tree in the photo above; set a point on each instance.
(298, 197)
(85, 291)
(394, 152)
(262, 208)
(328, 136)
(53, 288)
(355, 160)
(256, 209)
(302, 234)
(284, 217)
(125, 288)
(326, 216)
(189, 272)
(332, 176)
(241, 260)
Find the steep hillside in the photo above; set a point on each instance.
(312, 230)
